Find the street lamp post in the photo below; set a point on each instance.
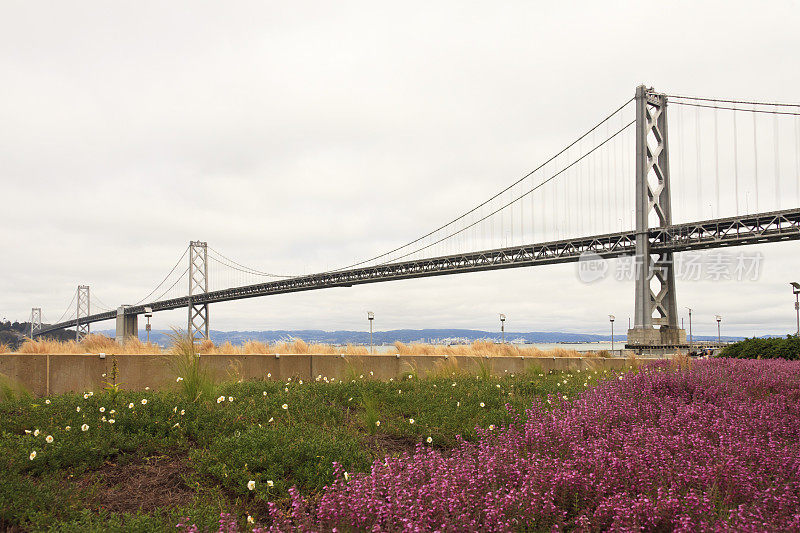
(503, 326)
(796, 291)
(611, 318)
(371, 317)
(719, 337)
(148, 312)
(691, 339)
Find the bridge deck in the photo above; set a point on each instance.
(725, 232)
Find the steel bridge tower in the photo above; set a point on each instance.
(36, 320)
(655, 303)
(83, 311)
(198, 284)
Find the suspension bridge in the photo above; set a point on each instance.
(609, 193)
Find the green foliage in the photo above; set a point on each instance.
(194, 380)
(770, 348)
(11, 390)
(242, 432)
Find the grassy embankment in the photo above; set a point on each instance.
(141, 461)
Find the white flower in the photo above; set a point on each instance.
(86, 396)
(176, 425)
(110, 420)
(564, 398)
(498, 385)
(410, 376)
(27, 431)
(377, 422)
(454, 384)
(270, 483)
(178, 379)
(48, 439)
(301, 382)
(269, 374)
(103, 418)
(620, 377)
(183, 411)
(491, 427)
(230, 398)
(286, 389)
(271, 419)
(483, 404)
(221, 399)
(35, 432)
(32, 455)
(251, 484)
(130, 405)
(175, 409)
(264, 393)
(85, 427)
(144, 401)
(284, 407)
(399, 391)
(458, 404)
(361, 376)
(370, 373)
(429, 440)
(47, 402)
(103, 375)
(147, 388)
(350, 399)
(67, 428)
(102, 409)
(91, 393)
(112, 412)
(410, 420)
(250, 519)
(346, 476)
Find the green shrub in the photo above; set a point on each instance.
(760, 348)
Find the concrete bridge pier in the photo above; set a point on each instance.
(127, 325)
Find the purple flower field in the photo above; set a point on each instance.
(714, 447)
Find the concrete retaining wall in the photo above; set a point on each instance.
(45, 374)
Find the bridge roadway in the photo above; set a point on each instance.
(733, 231)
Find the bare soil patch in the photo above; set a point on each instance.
(142, 484)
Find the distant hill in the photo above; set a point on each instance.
(389, 337)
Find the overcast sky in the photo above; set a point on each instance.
(299, 136)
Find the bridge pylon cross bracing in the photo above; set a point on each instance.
(83, 310)
(198, 284)
(655, 303)
(36, 321)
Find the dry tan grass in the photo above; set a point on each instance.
(103, 344)
(4, 348)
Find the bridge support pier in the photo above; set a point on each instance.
(127, 325)
(655, 301)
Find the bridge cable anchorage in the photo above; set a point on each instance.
(552, 158)
(185, 251)
(247, 269)
(618, 132)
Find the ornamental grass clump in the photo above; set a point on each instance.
(707, 447)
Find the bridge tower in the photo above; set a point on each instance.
(198, 284)
(655, 301)
(83, 311)
(36, 321)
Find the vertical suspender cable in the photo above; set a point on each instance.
(776, 141)
(716, 160)
(755, 156)
(681, 167)
(735, 164)
(697, 152)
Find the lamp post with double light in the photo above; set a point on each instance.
(371, 317)
(611, 318)
(796, 291)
